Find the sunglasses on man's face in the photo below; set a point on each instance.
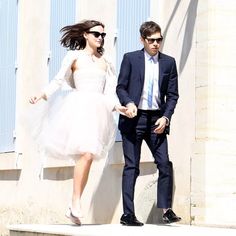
(96, 34)
(152, 40)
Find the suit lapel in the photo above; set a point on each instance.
(161, 66)
(141, 63)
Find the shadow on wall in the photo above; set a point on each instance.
(58, 173)
(108, 194)
(10, 175)
(147, 199)
(190, 18)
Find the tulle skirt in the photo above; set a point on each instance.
(73, 124)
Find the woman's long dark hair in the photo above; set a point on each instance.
(73, 37)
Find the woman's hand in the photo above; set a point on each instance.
(35, 99)
(121, 109)
(131, 110)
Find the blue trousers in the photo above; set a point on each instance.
(157, 143)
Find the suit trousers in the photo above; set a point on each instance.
(144, 125)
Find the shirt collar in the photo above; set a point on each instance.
(147, 56)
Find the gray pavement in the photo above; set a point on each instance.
(117, 229)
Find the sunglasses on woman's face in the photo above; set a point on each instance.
(152, 40)
(96, 34)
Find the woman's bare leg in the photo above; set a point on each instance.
(81, 173)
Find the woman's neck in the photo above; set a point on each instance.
(90, 51)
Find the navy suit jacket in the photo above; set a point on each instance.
(131, 80)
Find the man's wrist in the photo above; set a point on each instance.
(129, 103)
(167, 120)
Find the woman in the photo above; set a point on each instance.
(82, 126)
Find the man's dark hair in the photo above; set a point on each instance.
(148, 28)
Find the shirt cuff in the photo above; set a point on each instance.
(129, 103)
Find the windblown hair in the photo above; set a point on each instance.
(148, 28)
(73, 37)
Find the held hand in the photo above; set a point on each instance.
(121, 109)
(160, 125)
(131, 110)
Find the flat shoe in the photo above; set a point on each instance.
(74, 219)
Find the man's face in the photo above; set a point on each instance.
(152, 43)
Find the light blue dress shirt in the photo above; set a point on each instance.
(150, 82)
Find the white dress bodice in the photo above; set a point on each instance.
(89, 77)
(90, 80)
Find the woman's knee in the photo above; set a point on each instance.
(88, 157)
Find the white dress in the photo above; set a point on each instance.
(81, 120)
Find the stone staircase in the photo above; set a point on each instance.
(116, 229)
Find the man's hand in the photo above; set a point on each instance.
(131, 110)
(160, 125)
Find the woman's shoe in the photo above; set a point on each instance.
(73, 217)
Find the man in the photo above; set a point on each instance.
(148, 87)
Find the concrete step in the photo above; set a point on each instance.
(116, 229)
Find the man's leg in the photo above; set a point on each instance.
(130, 173)
(159, 148)
(131, 151)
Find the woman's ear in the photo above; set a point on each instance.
(85, 35)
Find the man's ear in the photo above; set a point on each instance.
(142, 40)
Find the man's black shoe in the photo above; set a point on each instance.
(130, 220)
(170, 217)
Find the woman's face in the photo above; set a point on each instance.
(95, 36)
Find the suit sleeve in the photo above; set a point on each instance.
(172, 92)
(123, 81)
